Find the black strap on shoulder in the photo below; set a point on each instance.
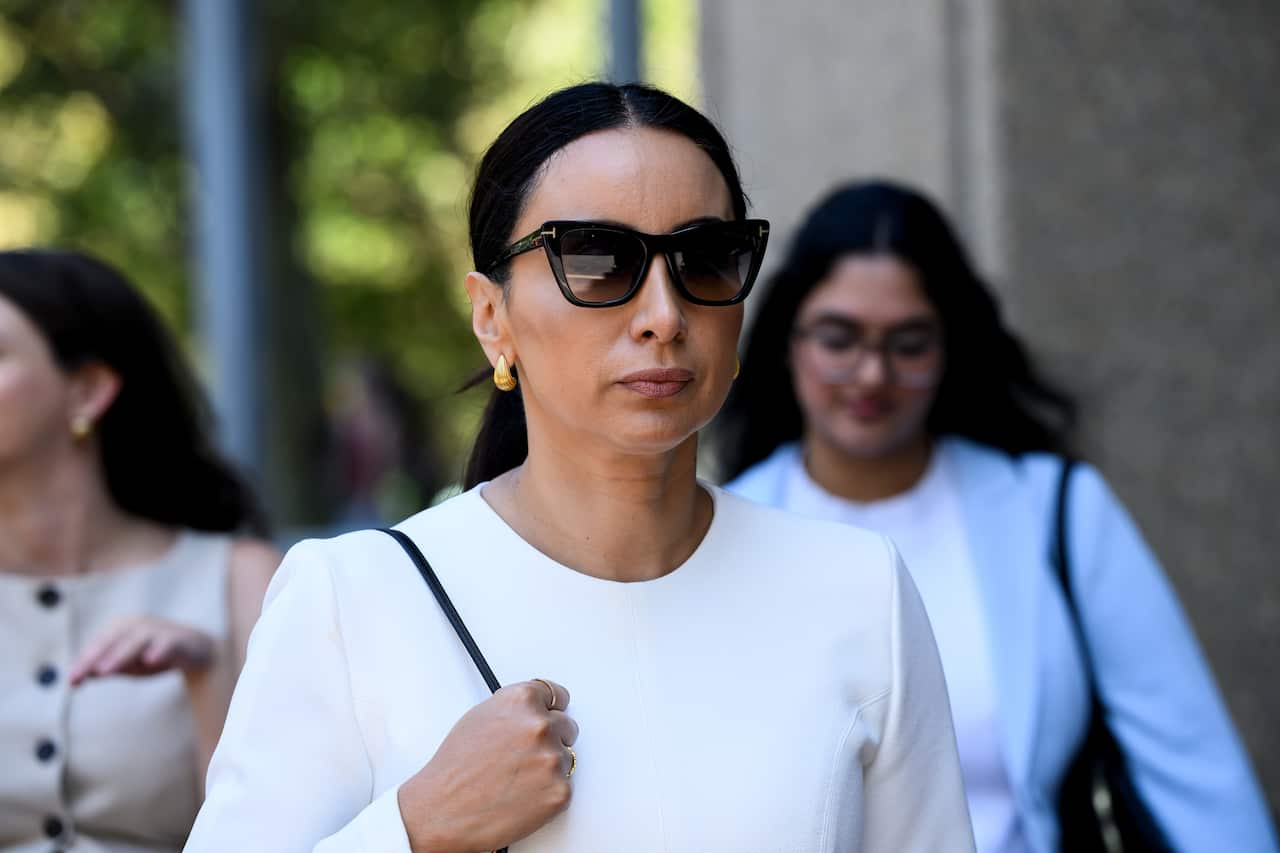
(442, 598)
(1061, 560)
(1062, 565)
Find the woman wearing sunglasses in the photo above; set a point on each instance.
(881, 389)
(713, 709)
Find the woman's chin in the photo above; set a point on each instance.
(652, 436)
(862, 441)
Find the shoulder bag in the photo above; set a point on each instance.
(1099, 807)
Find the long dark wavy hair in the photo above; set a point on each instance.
(508, 173)
(990, 392)
(158, 458)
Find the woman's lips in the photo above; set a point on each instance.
(869, 409)
(659, 382)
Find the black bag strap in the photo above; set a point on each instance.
(1123, 817)
(1061, 560)
(1062, 567)
(442, 598)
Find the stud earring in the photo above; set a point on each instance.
(502, 376)
(737, 367)
(81, 426)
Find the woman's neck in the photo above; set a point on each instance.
(57, 518)
(613, 516)
(869, 478)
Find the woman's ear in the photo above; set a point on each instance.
(489, 317)
(94, 387)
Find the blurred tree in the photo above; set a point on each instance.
(90, 147)
(376, 115)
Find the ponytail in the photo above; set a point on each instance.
(502, 442)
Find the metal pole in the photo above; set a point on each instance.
(624, 39)
(221, 128)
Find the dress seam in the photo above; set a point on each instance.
(835, 763)
(351, 692)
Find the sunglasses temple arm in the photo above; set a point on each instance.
(524, 244)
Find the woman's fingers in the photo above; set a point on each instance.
(86, 665)
(159, 650)
(123, 652)
(552, 696)
(564, 728)
(502, 771)
(143, 646)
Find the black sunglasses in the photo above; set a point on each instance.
(599, 265)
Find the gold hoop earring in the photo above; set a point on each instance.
(502, 376)
(737, 367)
(81, 426)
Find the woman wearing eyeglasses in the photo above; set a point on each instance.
(713, 709)
(881, 389)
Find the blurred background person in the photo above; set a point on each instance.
(384, 454)
(881, 388)
(129, 575)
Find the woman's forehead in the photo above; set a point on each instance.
(649, 179)
(872, 287)
(12, 319)
(17, 329)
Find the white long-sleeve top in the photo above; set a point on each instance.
(927, 524)
(779, 691)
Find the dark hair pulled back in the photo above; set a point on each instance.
(507, 175)
(158, 458)
(990, 391)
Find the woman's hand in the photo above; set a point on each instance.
(144, 645)
(501, 773)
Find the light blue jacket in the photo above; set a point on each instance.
(1162, 703)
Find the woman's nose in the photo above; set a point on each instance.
(659, 308)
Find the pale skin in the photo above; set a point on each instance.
(865, 439)
(57, 519)
(620, 465)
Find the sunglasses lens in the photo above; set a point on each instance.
(599, 265)
(715, 261)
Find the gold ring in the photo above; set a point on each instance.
(573, 761)
(551, 689)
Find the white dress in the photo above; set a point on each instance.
(109, 766)
(780, 691)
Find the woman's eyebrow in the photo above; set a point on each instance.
(613, 223)
(701, 220)
(840, 319)
(833, 318)
(913, 323)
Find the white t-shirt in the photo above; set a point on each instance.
(927, 524)
(779, 691)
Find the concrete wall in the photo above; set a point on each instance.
(1117, 171)
(1143, 176)
(810, 99)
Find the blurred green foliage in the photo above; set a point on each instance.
(376, 113)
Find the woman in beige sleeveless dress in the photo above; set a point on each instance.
(126, 595)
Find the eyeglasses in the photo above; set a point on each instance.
(599, 266)
(839, 347)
